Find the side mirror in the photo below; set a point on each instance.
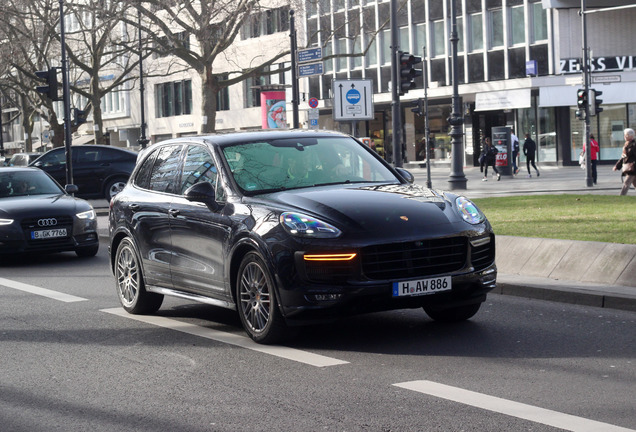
(203, 192)
(71, 188)
(406, 175)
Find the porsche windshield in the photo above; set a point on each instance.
(303, 162)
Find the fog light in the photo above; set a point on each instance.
(327, 297)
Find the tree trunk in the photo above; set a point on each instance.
(209, 91)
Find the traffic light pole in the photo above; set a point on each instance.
(67, 101)
(586, 86)
(427, 128)
(396, 123)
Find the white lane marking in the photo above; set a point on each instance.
(55, 295)
(232, 339)
(528, 412)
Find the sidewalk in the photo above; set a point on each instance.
(539, 268)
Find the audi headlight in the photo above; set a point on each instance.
(6, 221)
(301, 225)
(469, 211)
(90, 214)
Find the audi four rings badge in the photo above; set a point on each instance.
(47, 222)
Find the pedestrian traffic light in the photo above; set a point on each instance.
(50, 90)
(419, 108)
(79, 116)
(595, 107)
(408, 72)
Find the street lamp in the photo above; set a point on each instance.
(457, 177)
(143, 141)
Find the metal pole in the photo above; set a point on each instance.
(294, 49)
(67, 101)
(143, 141)
(457, 177)
(1, 135)
(427, 129)
(396, 124)
(586, 86)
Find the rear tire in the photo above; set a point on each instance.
(131, 289)
(113, 187)
(256, 302)
(454, 314)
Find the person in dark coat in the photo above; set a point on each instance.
(530, 150)
(490, 159)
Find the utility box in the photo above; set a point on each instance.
(501, 140)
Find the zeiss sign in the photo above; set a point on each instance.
(599, 64)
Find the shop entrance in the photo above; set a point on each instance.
(483, 122)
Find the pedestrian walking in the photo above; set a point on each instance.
(490, 159)
(594, 150)
(515, 151)
(530, 150)
(627, 162)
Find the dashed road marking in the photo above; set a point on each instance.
(55, 295)
(232, 339)
(515, 409)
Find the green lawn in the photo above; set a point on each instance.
(603, 218)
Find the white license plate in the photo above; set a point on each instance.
(421, 286)
(47, 234)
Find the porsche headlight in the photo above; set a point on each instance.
(469, 211)
(301, 225)
(90, 214)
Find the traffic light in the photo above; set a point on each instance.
(595, 106)
(408, 72)
(79, 116)
(50, 90)
(419, 108)
(581, 103)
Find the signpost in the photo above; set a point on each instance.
(352, 100)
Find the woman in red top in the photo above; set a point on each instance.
(595, 149)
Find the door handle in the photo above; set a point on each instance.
(174, 212)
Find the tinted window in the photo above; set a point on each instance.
(142, 179)
(53, 158)
(165, 170)
(198, 167)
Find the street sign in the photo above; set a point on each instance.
(352, 100)
(310, 69)
(313, 103)
(309, 55)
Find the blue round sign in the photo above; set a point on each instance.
(353, 96)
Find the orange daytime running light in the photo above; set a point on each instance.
(330, 257)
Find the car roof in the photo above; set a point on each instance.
(97, 146)
(225, 139)
(19, 169)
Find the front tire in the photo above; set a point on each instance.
(454, 314)
(256, 302)
(129, 278)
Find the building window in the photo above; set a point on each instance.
(460, 34)
(266, 23)
(114, 102)
(439, 39)
(341, 62)
(173, 98)
(386, 47)
(253, 85)
(372, 52)
(357, 49)
(539, 22)
(420, 37)
(517, 26)
(496, 28)
(476, 29)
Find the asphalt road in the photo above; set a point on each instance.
(73, 361)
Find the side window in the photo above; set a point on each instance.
(142, 179)
(164, 172)
(109, 155)
(88, 154)
(199, 166)
(54, 159)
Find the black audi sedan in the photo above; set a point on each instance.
(99, 171)
(293, 227)
(38, 216)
